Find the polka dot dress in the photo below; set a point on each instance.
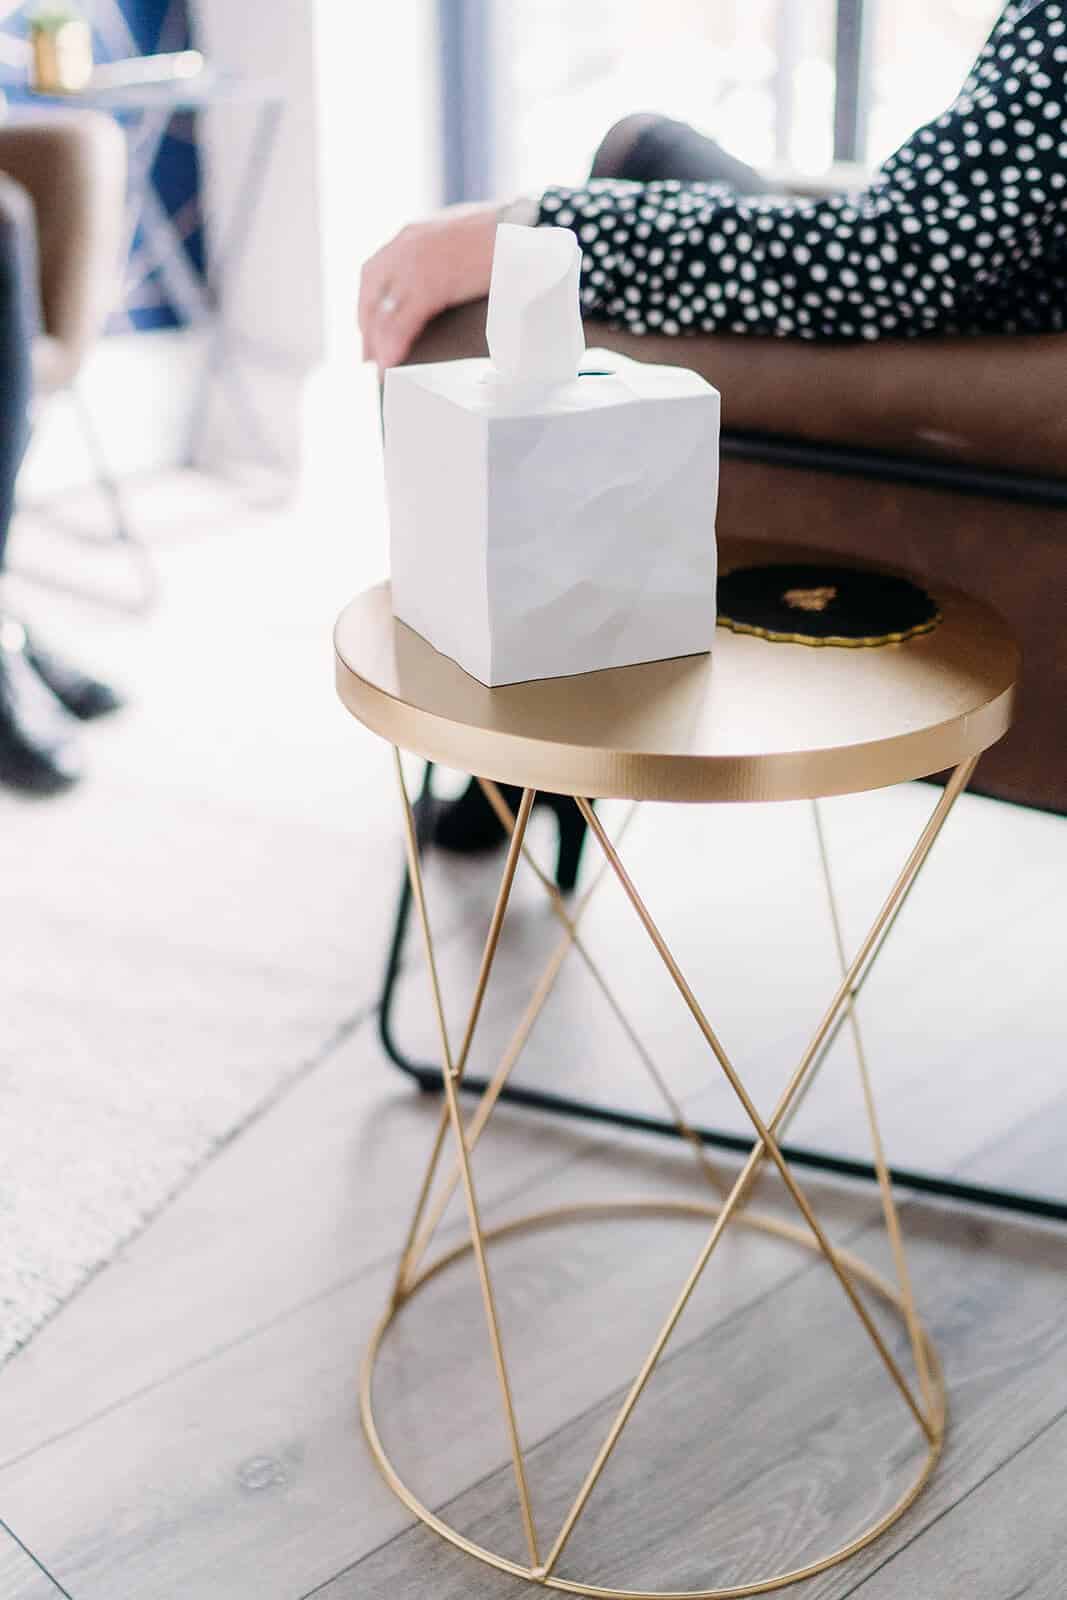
(963, 230)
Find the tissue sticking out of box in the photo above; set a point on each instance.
(534, 324)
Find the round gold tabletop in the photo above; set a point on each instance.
(754, 720)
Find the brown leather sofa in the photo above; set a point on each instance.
(948, 457)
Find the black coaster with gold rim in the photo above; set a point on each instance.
(822, 604)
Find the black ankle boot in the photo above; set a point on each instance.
(84, 697)
(38, 748)
(469, 826)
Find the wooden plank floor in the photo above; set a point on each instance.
(21, 1578)
(187, 1425)
(802, 1453)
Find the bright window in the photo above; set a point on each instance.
(762, 76)
(921, 51)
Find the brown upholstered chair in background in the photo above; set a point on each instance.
(70, 167)
(946, 456)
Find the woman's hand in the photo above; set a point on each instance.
(428, 266)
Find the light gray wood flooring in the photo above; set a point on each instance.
(21, 1578)
(187, 1425)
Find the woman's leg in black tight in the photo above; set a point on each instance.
(37, 750)
(20, 321)
(34, 682)
(644, 147)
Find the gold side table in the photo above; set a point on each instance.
(754, 721)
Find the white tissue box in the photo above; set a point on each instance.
(541, 532)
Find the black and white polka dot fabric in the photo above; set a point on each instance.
(963, 230)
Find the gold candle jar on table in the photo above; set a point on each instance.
(62, 51)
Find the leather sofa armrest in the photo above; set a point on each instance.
(990, 402)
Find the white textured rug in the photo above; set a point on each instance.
(182, 932)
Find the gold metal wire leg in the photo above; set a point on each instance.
(766, 1145)
(766, 1141)
(852, 975)
(885, 1186)
(416, 1247)
(858, 972)
(848, 1270)
(797, 1234)
(451, 1073)
(418, 1242)
(559, 907)
(457, 1070)
(862, 963)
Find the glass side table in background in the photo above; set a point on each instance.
(145, 111)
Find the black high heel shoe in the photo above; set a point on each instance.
(469, 826)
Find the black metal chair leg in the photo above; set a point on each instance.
(428, 1077)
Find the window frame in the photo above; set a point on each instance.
(853, 32)
(465, 46)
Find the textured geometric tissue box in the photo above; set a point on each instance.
(542, 531)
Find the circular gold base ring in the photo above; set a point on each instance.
(577, 1213)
